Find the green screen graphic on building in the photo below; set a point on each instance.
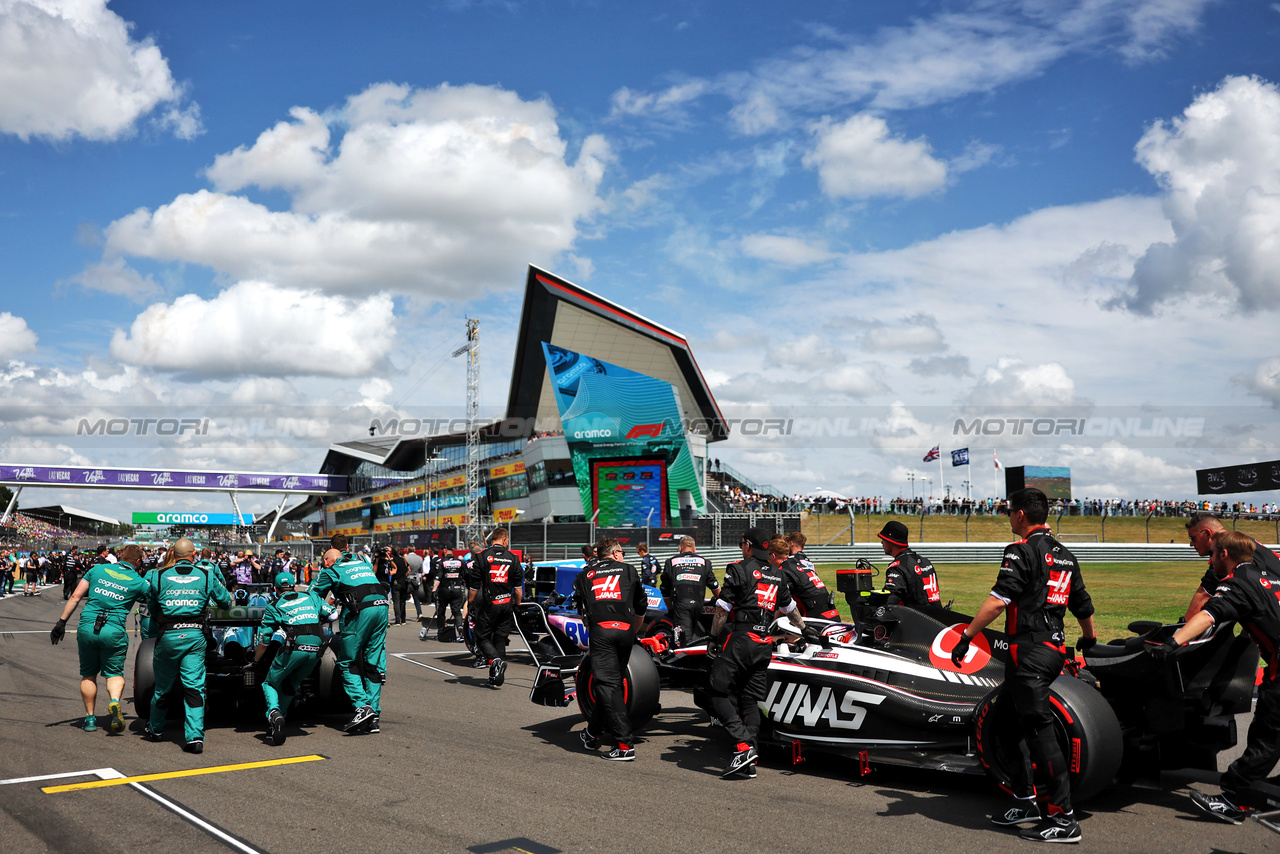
(622, 422)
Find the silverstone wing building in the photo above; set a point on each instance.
(607, 415)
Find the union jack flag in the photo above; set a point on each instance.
(933, 454)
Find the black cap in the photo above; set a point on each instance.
(894, 532)
(756, 538)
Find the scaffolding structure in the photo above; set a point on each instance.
(472, 351)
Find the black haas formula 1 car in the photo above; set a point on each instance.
(883, 689)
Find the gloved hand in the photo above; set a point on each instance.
(714, 648)
(799, 646)
(1086, 644)
(58, 631)
(962, 648)
(1165, 650)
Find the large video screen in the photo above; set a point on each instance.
(1053, 481)
(629, 492)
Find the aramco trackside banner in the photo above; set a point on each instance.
(626, 436)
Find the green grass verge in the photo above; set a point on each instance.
(824, 528)
(1121, 592)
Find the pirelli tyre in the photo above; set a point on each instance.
(640, 687)
(144, 677)
(329, 691)
(1087, 729)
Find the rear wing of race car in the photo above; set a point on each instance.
(554, 684)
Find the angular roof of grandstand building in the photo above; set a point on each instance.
(565, 315)
(571, 317)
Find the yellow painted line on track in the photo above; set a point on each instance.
(169, 775)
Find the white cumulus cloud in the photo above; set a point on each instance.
(858, 158)
(1265, 381)
(15, 336)
(916, 335)
(259, 329)
(444, 192)
(788, 251)
(114, 276)
(1217, 163)
(70, 68)
(1010, 382)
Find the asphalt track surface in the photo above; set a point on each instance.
(461, 767)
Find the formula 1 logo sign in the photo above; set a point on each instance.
(640, 431)
(974, 660)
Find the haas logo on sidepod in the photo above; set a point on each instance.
(806, 705)
(974, 660)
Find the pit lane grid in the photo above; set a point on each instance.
(462, 767)
(112, 777)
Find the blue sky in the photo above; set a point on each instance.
(905, 211)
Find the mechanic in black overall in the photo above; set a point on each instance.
(1248, 595)
(1202, 527)
(501, 586)
(449, 589)
(613, 603)
(812, 596)
(1039, 582)
(684, 578)
(754, 592)
(910, 579)
(470, 571)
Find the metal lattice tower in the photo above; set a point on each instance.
(472, 351)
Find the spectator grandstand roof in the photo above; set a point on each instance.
(54, 512)
(563, 314)
(568, 316)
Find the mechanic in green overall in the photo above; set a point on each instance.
(299, 618)
(108, 591)
(362, 648)
(176, 598)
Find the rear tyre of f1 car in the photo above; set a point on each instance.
(1087, 729)
(641, 688)
(144, 678)
(144, 683)
(330, 695)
